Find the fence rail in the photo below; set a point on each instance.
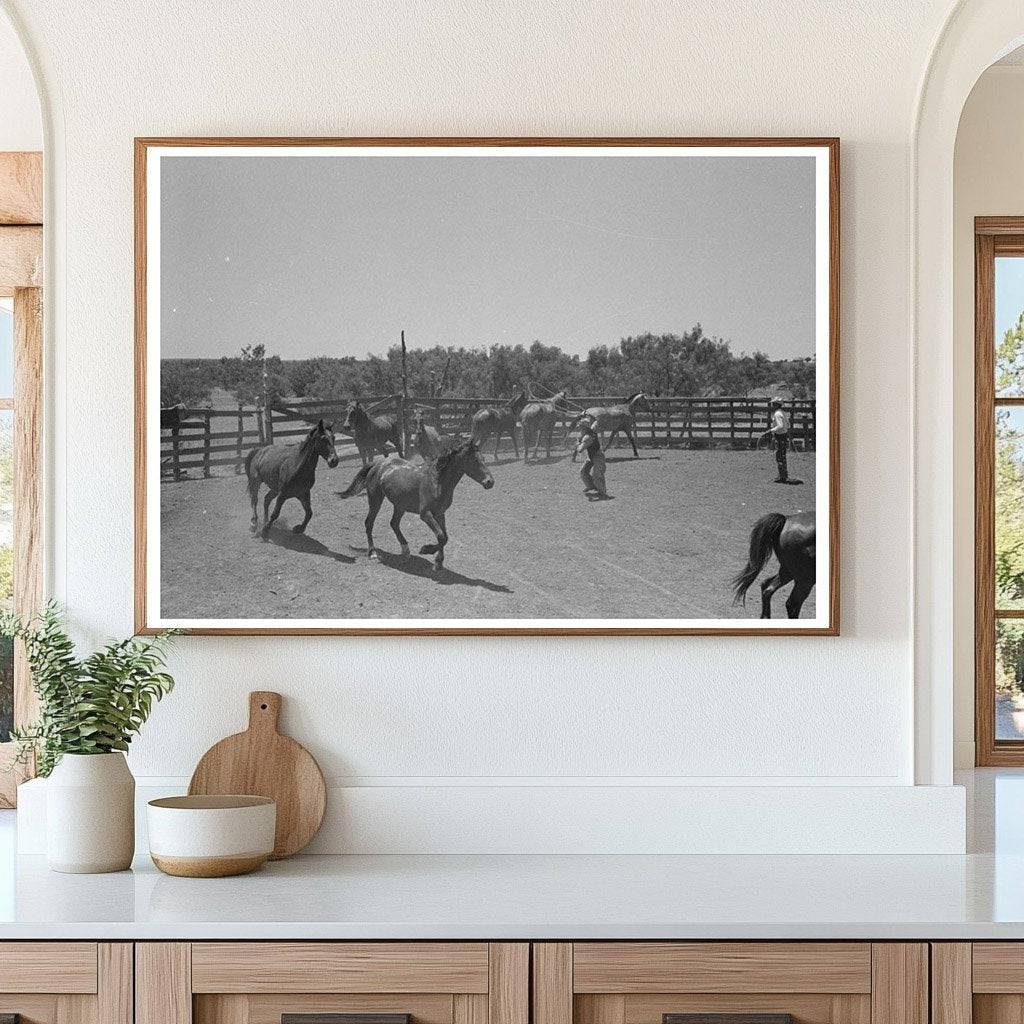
(203, 440)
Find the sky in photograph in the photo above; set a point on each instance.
(336, 255)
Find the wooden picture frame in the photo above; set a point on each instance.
(148, 618)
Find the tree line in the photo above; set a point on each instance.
(663, 365)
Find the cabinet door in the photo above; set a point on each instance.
(737, 982)
(981, 982)
(332, 983)
(66, 982)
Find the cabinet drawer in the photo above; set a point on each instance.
(262, 982)
(340, 967)
(749, 982)
(48, 967)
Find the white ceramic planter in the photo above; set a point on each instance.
(90, 814)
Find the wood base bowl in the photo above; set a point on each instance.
(211, 836)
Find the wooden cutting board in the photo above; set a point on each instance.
(262, 762)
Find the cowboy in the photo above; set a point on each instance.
(779, 433)
(592, 473)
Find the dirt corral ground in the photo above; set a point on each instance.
(666, 546)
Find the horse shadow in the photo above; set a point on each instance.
(416, 565)
(505, 462)
(546, 460)
(632, 458)
(286, 537)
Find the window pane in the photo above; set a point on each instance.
(6, 348)
(6, 567)
(1009, 679)
(1009, 512)
(1009, 322)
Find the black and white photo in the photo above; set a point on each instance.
(471, 386)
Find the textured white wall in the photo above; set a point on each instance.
(988, 181)
(734, 711)
(20, 122)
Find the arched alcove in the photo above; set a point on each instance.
(976, 33)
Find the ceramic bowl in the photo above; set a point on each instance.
(211, 836)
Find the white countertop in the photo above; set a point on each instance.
(538, 897)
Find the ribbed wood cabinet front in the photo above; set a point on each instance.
(66, 982)
(750, 982)
(977, 982)
(302, 982)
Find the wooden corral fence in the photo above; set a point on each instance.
(209, 439)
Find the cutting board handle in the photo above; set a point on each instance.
(264, 710)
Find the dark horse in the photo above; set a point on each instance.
(424, 489)
(371, 433)
(290, 472)
(792, 540)
(498, 420)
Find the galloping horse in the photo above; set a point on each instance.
(371, 433)
(498, 420)
(427, 490)
(792, 540)
(538, 418)
(290, 472)
(616, 418)
(430, 442)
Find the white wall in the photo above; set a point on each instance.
(988, 180)
(441, 714)
(20, 122)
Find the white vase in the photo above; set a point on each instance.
(90, 814)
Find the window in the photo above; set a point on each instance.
(999, 490)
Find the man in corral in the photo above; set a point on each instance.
(778, 433)
(592, 473)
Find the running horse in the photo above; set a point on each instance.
(289, 471)
(616, 418)
(792, 540)
(371, 433)
(426, 489)
(430, 442)
(498, 421)
(540, 418)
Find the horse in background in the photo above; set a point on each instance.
(371, 433)
(289, 471)
(792, 538)
(498, 421)
(430, 442)
(616, 418)
(540, 418)
(426, 489)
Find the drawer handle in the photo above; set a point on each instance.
(340, 1018)
(728, 1018)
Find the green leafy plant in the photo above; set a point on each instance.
(90, 705)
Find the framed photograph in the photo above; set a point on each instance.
(487, 386)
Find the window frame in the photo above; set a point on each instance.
(993, 237)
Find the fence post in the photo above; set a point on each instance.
(206, 445)
(175, 456)
(268, 429)
(238, 447)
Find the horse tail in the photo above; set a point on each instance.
(763, 538)
(248, 461)
(358, 483)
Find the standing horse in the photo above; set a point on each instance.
(539, 418)
(371, 433)
(792, 540)
(426, 490)
(430, 442)
(498, 420)
(615, 418)
(290, 472)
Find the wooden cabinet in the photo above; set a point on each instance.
(66, 982)
(815, 982)
(979, 982)
(260, 982)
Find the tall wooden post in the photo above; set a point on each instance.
(405, 400)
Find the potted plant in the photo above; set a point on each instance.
(89, 710)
